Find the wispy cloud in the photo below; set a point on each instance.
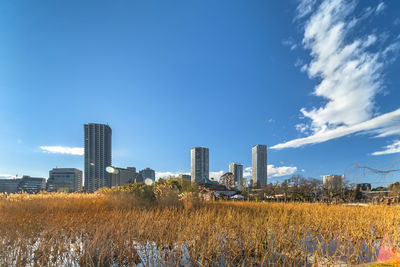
(290, 43)
(272, 171)
(390, 149)
(380, 7)
(280, 171)
(216, 175)
(381, 126)
(350, 70)
(304, 8)
(63, 150)
(7, 176)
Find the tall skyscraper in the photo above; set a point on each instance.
(97, 156)
(199, 164)
(259, 165)
(68, 179)
(237, 170)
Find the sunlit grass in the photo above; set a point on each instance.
(102, 230)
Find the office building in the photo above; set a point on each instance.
(32, 185)
(363, 187)
(332, 182)
(237, 170)
(65, 179)
(259, 165)
(97, 156)
(121, 176)
(148, 174)
(199, 164)
(185, 177)
(9, 185)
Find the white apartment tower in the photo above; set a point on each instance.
(199, 164)
(259, 165)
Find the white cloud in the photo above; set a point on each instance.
(272, 171)
(290, 43)
(350, 74)
(390, 149)
(298, 63)
(381, 126)
(350, 71)
(247, 173)
(280, 171)
(302, 128)
(380, 7)
(79, 151)
(7, 176)
(216, 175)
(304, 8)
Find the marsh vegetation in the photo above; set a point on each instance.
(119, 230)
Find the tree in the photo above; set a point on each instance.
(300, 188)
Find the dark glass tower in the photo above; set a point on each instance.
(97, 156)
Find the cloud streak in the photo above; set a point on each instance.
(7, 176)
(381, 126)
(390, 149)
(350, 70)
(272, 171)
(78, 151)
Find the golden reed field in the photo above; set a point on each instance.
(61, 229)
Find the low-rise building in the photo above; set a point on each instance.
(363, 187)
(65, 179)
(211, 190)
(185, 176)
(32, 185)
(9, 185)
(121, 176)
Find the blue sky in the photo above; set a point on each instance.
(316, 81)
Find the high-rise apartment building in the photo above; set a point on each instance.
(259, 165)
(97, 156)
(237, 170)
(199, 164)
(66, 179)
(148, 174)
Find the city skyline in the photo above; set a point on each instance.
(223, 78)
